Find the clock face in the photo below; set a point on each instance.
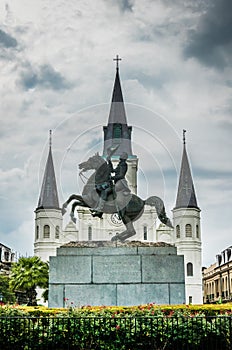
(116, 219)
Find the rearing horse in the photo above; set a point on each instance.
(129, 205)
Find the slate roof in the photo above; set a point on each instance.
(117, 132)
(186, 197)
(117, 109)
(49, 195)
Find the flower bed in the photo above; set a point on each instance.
(119, 311)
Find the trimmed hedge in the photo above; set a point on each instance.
(119, 311)
(117, 328)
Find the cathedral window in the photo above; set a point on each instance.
(57, 232)
(189, 269)
(46, 231)
(117, 131)
(145, 233)
(90, 233)
(177, 231)
(188, 230)
(197, 231)
(37, 232)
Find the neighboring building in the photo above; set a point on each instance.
(217, 278)
(186, 235)
(7, 256)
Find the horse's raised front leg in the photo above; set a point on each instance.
(130, 231)
(74, 205)
(71, 198)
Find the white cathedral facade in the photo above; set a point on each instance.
(186, 234)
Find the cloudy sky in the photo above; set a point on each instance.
(57, 72)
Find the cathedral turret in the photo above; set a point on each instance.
(118, 133)
(186, 197)
(48, 216)
(49, 195)
(186, 221)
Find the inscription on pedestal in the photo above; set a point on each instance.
(116, 269)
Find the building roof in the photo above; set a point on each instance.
(117, 132)
(48, 198)
(117, 109)
(186, 197)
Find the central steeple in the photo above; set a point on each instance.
(117, 132)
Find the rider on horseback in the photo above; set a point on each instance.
(120, 172)
(104, 189)
(129, 206)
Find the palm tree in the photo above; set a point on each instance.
(27, 274)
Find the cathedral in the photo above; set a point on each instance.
(185, 235)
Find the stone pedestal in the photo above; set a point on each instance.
(113, 273)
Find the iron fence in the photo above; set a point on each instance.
(128, 333)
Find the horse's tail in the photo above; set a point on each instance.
(160, 209)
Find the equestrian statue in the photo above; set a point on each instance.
(107, 191)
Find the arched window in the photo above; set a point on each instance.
(177, 231)
(90, 234)
(145, 233)
(46, 232)
(188, 230)
(57, 232)
(197, 231)
(37, 232)
(189, 269)
(117, 131)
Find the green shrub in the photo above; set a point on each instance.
(116, 328)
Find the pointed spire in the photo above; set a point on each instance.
(117, 110)
(49, 195)
(186, 197)
(117, 131)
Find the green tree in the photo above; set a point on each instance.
(6, 294)
(27, 274)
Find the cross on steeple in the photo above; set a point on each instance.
(117, 59)
(50, 139)
(184, 131)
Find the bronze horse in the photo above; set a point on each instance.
(129, 205)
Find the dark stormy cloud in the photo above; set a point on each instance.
(44, 76)
(211, 41)
(6, 40)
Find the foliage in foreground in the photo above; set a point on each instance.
(27, 274)
(117, 328)
(7, 294)
(119, 311)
